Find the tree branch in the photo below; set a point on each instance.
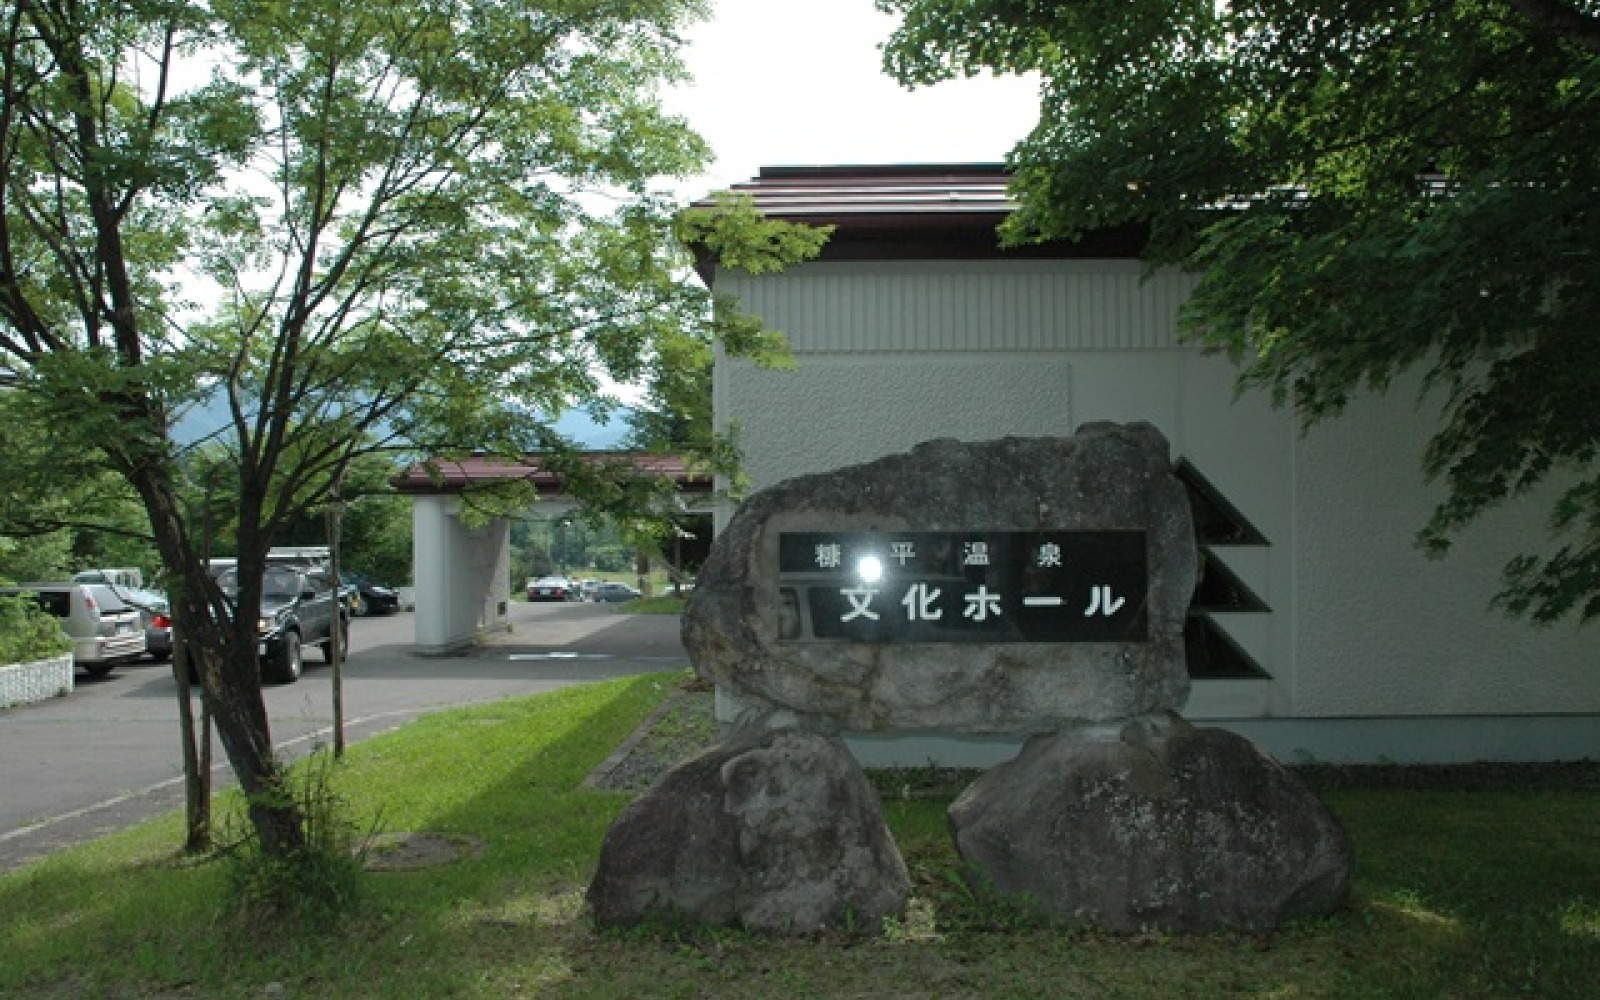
(1561, 20)
(32, 527)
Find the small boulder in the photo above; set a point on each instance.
(1153, 825)
(776, 831)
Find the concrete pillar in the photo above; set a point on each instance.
(462, 576)
(491, 573)
(432, 521)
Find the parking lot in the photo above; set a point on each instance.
(109, 753)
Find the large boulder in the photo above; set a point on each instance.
(1106, 477)
(776, 831)
(1153, 825)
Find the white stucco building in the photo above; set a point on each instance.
(1345, 642)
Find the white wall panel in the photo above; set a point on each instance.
(832, 411)
(462, 575)
(906, 307)
(1386, 630)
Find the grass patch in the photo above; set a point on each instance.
(665, 604)
(1492, 893)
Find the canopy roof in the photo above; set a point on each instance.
(453, 475)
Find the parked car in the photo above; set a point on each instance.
(371, 597)
(298, 608)
(122, 576)
(155, 614)
(302, 556)
(615, 593)
(586, 589)
(102, 635)
(552, 588)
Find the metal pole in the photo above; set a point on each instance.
(336, 641)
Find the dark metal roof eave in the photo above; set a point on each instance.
(909, 212)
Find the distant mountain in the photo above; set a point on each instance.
(590, 433)
(578, 425)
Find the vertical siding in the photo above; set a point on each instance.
(978, 306)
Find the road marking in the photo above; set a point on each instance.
(559, 656)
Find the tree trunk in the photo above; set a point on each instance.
(336, 640)
(222, 643)
(196, 787)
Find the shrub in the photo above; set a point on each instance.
(28, 632)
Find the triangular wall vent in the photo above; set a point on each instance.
(1220, 589)
(1216, 520)
(1211, 653)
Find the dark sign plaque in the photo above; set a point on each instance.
(964, 586)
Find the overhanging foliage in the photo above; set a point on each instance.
(1367, 188)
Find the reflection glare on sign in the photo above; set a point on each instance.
(869, 569)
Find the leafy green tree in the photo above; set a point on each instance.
(676, 413)
(377, 537)
(375, 532)
(352, 228)
(33, 557)
(1365, 187)
(60, 511)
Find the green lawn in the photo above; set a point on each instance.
(1465, 895)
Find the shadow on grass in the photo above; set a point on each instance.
(1459, 895)
(1472, 895)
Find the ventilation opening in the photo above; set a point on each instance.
(1210, 652)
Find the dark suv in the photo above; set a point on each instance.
(298, 609)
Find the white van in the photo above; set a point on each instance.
(102, 637)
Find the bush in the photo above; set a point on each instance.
(28, 632)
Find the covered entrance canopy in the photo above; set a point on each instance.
(463, 574)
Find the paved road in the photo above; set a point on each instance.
(109, 754)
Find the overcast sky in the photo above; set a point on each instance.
(798, 82)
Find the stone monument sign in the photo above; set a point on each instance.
(1026, 586)
(1011, 586)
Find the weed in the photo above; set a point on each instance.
(930, 781)
(314, 884)
(967, 901)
